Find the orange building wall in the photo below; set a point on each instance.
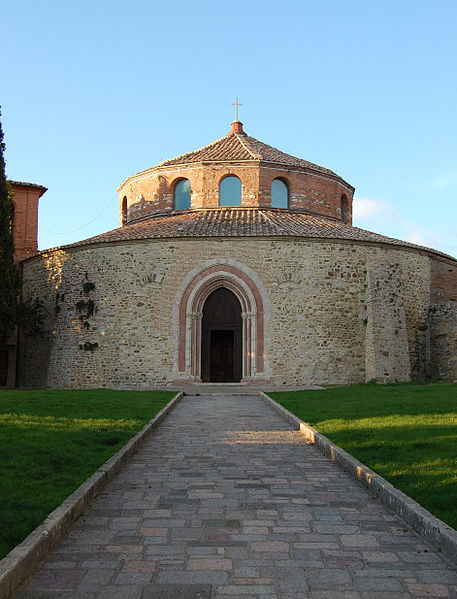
(25, 221)
(444, 281)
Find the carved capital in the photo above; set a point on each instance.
(195, 315)
(248, 315)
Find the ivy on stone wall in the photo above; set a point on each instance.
(87, 346)
(86, 308)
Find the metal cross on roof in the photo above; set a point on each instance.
(237, 104)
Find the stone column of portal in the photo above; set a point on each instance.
(193, 344)
(248, 343)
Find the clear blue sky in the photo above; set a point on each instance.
(93, 91)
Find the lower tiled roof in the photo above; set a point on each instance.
(240, 222)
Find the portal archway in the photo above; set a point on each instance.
(194, 291)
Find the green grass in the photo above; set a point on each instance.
(407, 433)
(52, 441)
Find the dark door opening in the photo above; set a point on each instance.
(221, 337)
(3, 368)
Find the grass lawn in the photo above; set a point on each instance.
(52, 441)
(407, 433)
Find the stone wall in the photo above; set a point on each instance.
(109, 310)
(442, 318)
(443, 340)
(387, 353)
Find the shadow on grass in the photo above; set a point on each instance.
(52, 441)
(406, 433)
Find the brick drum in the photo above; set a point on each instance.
(224, 500)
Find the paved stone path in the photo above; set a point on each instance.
(224, 501)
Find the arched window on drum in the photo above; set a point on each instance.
(181, 195)
(230, 191)
(279, 194)
(344, 208)
(124, 210)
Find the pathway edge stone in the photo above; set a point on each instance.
(441, 536)
(20, 563)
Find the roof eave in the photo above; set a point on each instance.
(42, 188)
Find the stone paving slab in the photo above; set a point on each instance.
(225, 500)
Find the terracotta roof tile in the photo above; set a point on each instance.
(25, 184)
(239, 146)
(240, 222)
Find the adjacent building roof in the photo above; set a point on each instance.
(25, 184)
(240, 222)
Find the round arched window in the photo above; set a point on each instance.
(279, 194)
(181, 195)
(230, 191)
(124, 210)
(344, 208)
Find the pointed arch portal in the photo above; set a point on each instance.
(220, 316)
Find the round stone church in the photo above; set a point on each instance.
(238, 263)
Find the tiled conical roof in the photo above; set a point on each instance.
(242, 222)
(237, 146)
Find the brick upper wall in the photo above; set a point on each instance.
(25, 221)
(444, 280)
(152, 192)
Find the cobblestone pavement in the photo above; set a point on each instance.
(223, 501)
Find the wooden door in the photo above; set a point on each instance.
(221, 337)
(222, 356)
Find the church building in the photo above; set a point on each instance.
(238, 263)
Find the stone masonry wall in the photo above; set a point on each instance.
(442, 318)
(387, 351)
(398, 296)
(443, 340)
(109, 308)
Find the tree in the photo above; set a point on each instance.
(9, 274)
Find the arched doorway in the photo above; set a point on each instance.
(221, 357)
(191, 296)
